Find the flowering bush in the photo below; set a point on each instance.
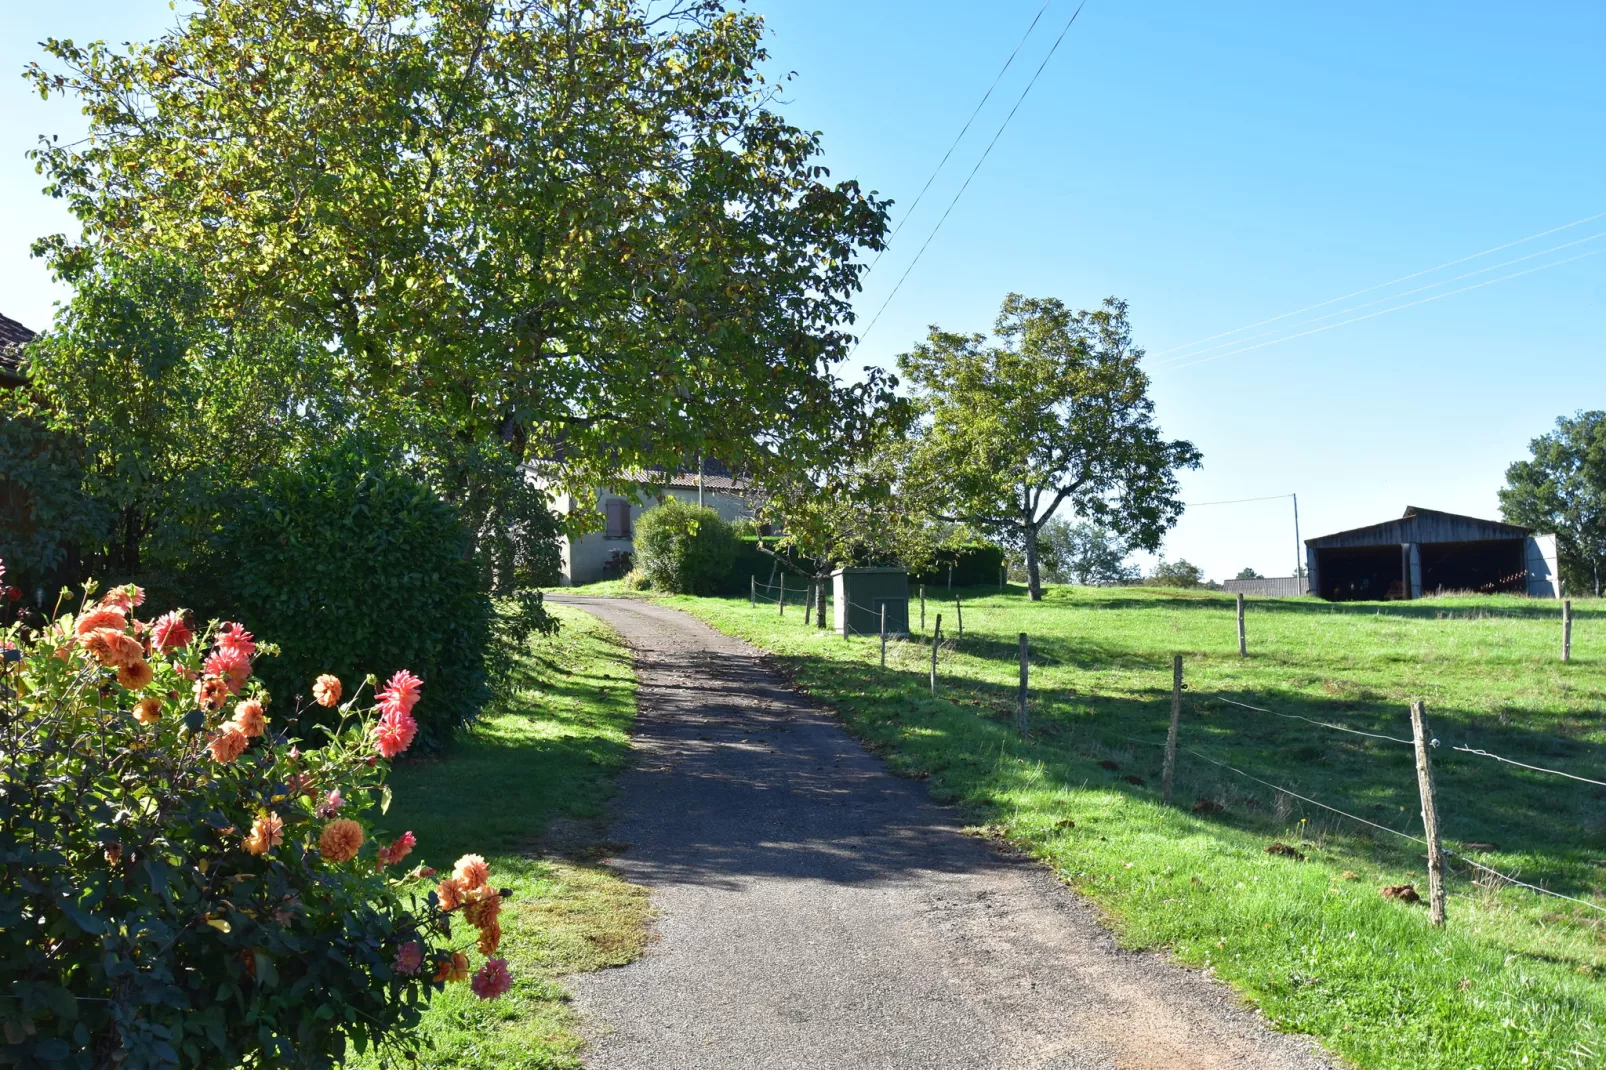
(183, 882)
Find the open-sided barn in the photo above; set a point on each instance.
(1429, 551)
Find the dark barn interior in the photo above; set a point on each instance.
(1428, 552)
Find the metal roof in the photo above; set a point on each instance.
(1416, 521)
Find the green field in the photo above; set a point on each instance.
(527, 787)
(1515, 979)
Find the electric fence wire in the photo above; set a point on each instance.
(1525, 765)
(959, 137)
(1373, 824)
(1324, 724)
(966, 185)
(1382, 285)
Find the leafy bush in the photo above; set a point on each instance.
(636, 580)
(181, 883)
(358, 565)
(516, 618)
(975, 564)
(684, 549)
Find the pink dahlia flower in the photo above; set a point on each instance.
(231, 666)
(170, 633)
(493, 979)
(235, 638)
(409, 958)
(400, 694)
(394, 733)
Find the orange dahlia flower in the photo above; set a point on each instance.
(228, 744)
(326, 690)
(267, 832)
(471, 871)
(113, 648)
(148, 711)
(248, 716)
(340, 840)
(136, 677)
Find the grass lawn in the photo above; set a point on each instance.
(1515, 980)
(527, 782)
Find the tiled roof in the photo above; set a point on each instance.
(12, 335)
(685, 480)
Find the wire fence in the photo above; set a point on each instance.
(937, 642)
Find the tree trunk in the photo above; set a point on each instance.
(819, 599)
(1034, 582)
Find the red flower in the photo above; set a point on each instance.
(394, 733)
(233, 667)
(169, 633)
(234, 638)
(398, 849)
(400, 694)
(493, 979)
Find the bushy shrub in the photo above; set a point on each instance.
(636, 580)
(1178, 573)
(357, 565)
(683, 548)
(516, 618)
(186, 883)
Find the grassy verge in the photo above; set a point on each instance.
(1515, 979)
(526, 788)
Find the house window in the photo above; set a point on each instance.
(618, 513)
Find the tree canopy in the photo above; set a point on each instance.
(1085, 553)
(1055, 412)
(573, 228)
(1562, 489)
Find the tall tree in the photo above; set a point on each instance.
(1562, 489)
(1084, 552)
(573, 227)
(1056, 411)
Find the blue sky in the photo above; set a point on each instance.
(1215, 165)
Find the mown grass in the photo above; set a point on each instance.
(526, 788)
(1515, 979)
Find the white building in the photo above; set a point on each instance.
(605, 554)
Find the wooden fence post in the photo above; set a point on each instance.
(950, 575)
(1003, 579)
(1566, 631)
(1243, 640)
(1020, 708)
(883, 635)
(922, 607)
(780, 603)
(936, 637)
(959, 612)
(1170, 770)
(1430, 816)
(752, 591)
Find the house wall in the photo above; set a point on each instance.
(584, 558)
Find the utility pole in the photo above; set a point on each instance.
(1299, 547)
(700, 481)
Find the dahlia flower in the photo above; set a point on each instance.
(234, 638)
(170, 633)
(136, 676)
(102, 616)
(400, 693)
(493, 979)
(394, 733)
(232, 666)
(148, 711)
(471, 871)
(267, 832)
(409, 958)
(125, 597)
(453, 969)
(481, 906)
(248, 716)
(210, 693)
(326, 690)
(449, 892)
(490, 938)
(331, 804)
(398, 849)
(228, 744)
(113, 648)
(340, 840)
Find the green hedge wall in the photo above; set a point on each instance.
(975, 565)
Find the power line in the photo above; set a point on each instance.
(985, 153)
(1238, 501)
(1390, 297)
(1391, 282)
(961, 136)
(1396, 308)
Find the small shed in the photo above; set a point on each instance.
(858, 595)
(1427, 551)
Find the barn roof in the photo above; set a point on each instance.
(12, 337)
(1423, 525)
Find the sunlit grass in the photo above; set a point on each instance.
(525, 788)
(1515, 979)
